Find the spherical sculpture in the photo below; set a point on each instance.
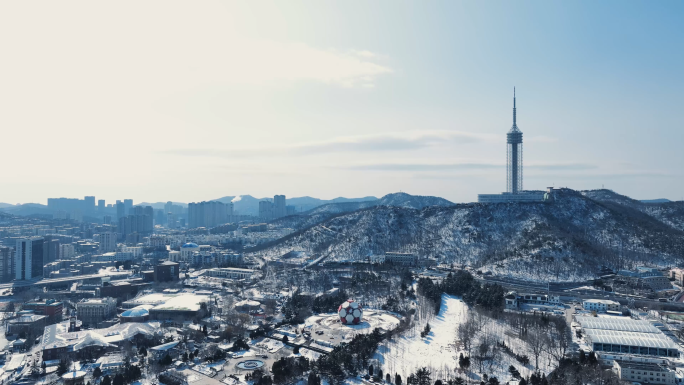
(350, 312)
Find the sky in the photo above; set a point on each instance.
(190, 101)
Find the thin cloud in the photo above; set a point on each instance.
(461, 166)
(367, 143)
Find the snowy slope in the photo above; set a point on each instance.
(565, 240)
(439, 351)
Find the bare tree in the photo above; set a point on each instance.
(536, 339)
(559, 339)
(466, 333)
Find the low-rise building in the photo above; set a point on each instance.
(95, 310)
(678, 275)
(403, 259)
(657, 282)
(231, 272)
(167, 271)
(600, 305)
(515, 300)
(30, 324)
(160, 351)
(644, 372)
(50, 308)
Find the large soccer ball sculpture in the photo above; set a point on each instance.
(350, 312)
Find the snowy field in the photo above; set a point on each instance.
(439, 350)
(331, 327)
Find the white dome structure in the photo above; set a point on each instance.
(350, 312)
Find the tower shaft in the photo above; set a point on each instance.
(514, 155)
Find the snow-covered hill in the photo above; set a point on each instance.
(564, 240)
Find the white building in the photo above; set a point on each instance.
(135, 251)
(118, 256)
(231, 272)
(107, 242)
(404, 259)
(67, 251)
(600, 305)
(175, 256)
(644, 372)
(94, 310)
(187, 250)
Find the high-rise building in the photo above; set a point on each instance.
(28, 258)
(51, 246)
(120, 210)
(7, 272)
(279, 206)
(207, 214)
(514, 165)
(89, 204)
(107, 241)
(273, 210)
(265, 210)
(101, 205)
(128, 204)
(141, 221)
(67, 251)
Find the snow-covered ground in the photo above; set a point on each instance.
(440, 349)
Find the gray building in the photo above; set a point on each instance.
(29, 258)
(7, 271)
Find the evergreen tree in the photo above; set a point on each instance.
(582, 357)
(388, 378)
(97, 372)
(591, 360)
(397, 379)
(459, 381)
(514, 372)
(118, 379)
(370, 370)
(295, 350)
(142, 351)
(522, 382)
(380, 374)
(62, 368)
(438, 382)
(166, 361)
(106, 380)
(423, 376)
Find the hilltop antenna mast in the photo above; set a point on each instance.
(514, 155)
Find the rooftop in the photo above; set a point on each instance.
(27, 319)
(183, 302)
(641, 366)
(616, 324)
(650, 340)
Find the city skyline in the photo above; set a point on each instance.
(317, 100)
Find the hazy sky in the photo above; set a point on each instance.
(190, 101)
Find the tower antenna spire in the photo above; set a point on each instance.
(514, 106)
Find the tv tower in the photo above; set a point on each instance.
(514, 149)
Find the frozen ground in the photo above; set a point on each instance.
(439, 350)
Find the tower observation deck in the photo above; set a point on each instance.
(514, 151)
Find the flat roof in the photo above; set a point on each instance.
(182, 302)
(646, 340)
(641, 366)
(617, 324)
